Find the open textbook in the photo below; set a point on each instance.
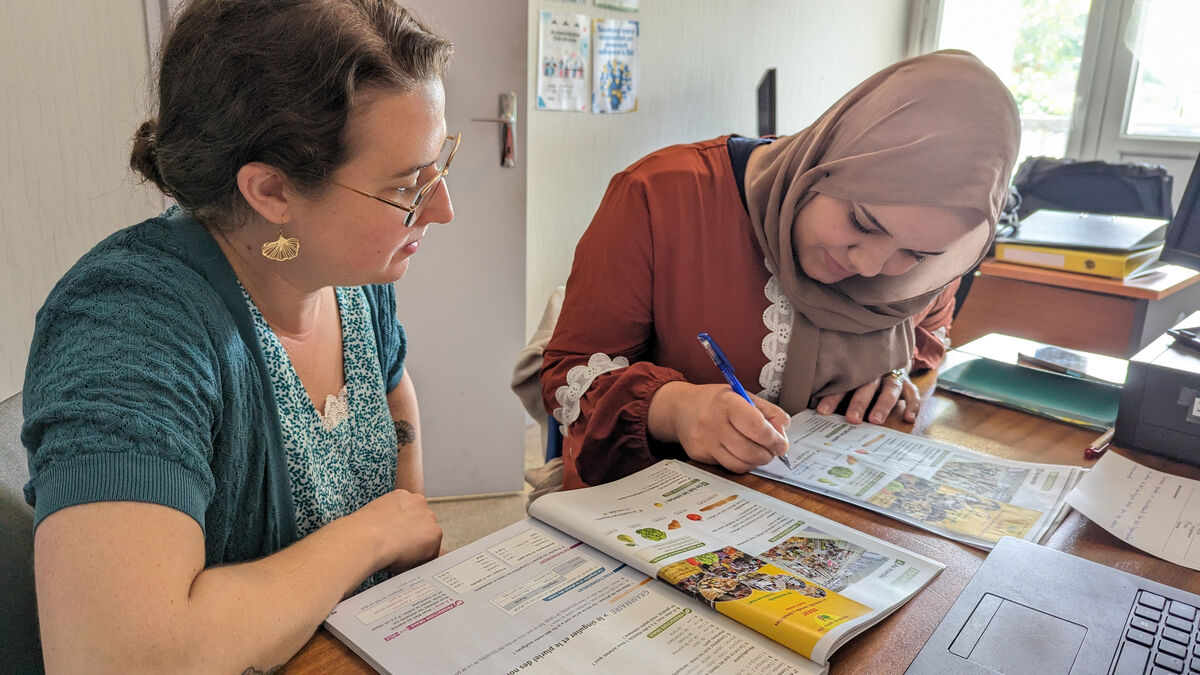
(957, 493)
(670, 570)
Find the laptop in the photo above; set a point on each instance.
(1031, 609)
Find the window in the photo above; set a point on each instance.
(1036, 49)
(1165, 101)
(1098, 79)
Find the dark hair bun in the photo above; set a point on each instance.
(144, 157)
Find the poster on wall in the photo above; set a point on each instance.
(623, 5)
(564, 47)
(615, 81)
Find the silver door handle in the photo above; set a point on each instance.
(507, 121)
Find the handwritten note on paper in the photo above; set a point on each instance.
(1154, 511)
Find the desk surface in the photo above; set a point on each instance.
(890, 646)
(1154, 285)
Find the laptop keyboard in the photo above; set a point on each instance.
(1162, 636)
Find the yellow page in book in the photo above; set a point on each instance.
(1096, 263)
(787, 608)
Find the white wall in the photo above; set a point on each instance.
(701, 61)
(73, 92)
(74, 88)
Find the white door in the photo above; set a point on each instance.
(462, 301)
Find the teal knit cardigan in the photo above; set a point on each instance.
(146, 383)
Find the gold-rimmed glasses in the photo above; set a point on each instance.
(413, 205)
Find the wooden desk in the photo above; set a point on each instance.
(889, 646)
(1105, 316)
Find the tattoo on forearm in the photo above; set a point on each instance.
(405, 433)
(255, 671)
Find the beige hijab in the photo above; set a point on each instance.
(936, 130)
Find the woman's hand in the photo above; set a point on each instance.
(408, 529)
(716, 426)
(895, 392)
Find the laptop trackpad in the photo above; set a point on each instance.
(1011, 638)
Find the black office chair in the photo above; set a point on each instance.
(19, 644)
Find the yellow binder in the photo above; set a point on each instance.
(1096, 263)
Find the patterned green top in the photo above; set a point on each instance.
(342, 459)
(146, 382)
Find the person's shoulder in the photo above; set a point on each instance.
(681, 160)
(141, 264)
(381, 303)
(380, 295)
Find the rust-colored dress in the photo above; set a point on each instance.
(670, 253)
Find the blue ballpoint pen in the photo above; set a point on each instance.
(718, 357)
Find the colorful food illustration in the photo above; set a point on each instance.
(627, 539)
(694, 516)
(721, 589)
(822, 559)
(722, 502)
(730, 574)
(840, 472)
(851, 459)
(658, 504)
(651, 533)
(780, 582)
(673, 525)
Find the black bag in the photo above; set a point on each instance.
(1094, 187)
(1069, 185)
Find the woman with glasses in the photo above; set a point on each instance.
(223, 439)
(823, 263)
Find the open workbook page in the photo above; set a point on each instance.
(804, 581)
(670, 570)
(530, 599)
(952, 491)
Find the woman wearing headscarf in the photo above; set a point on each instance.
(824, 263)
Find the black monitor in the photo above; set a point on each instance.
(766, 103)
(1183, 234)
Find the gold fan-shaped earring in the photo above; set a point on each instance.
(282, 249)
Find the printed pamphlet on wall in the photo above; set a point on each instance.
(615, 87)
(564, 49)
(955, 492)
(623, 5)
(672, 569)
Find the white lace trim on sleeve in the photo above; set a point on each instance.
(579, 380)
(943, 335)
(778, 319)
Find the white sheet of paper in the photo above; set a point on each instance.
(1154, 511)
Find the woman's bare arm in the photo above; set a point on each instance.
(402, 401)
(122, 586)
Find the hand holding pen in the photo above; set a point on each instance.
(722, 363)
